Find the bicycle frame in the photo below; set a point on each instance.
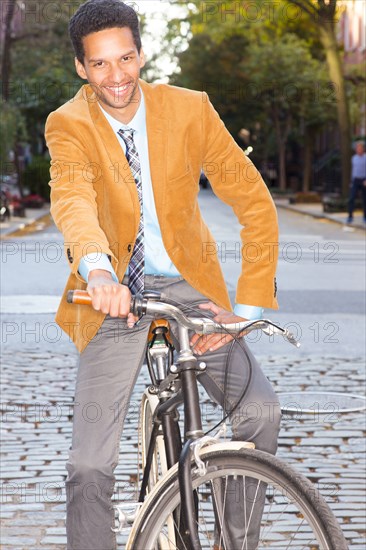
(185, 370)
(166, 415)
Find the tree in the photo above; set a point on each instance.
(261, 77)
(12, 133)
(6, 49)
(37, 74)
(37, 68)
(285, 89)
(12, 128)
(323, 14)
(215, 68)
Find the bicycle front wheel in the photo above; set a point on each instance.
(247, 500)
(159, 463)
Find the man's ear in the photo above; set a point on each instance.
(80, 69)
(142, 58)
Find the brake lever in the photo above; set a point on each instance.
(271, 329)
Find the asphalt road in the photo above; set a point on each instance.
(321, 281)
(320, 278)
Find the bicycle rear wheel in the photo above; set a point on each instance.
(295, 516)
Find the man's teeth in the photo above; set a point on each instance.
(118, 88)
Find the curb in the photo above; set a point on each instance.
(28, 226)
(319, 216)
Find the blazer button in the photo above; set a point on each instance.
(70, 258)
(129, 248)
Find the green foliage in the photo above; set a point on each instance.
(356, 90)
(216, 69)
(272, 58)
(12, 129)
(43, 75)
(36, 177)
(288, 81)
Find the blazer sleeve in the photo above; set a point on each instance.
(73, 204)
(237, 182)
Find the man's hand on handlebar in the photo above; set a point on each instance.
(224, 322)
(212, 342)
(110, 297)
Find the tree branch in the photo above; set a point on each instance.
(333, 6)
(305, 5)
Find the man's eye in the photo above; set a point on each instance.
(126, 58)
(99, 64)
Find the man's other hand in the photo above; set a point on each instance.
(212, 342)
(110, 297)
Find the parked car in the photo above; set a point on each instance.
(33, 201)
(17, 207)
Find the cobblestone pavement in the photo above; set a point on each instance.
(37, 413)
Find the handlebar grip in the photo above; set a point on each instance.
(137, 306)
(80, 297)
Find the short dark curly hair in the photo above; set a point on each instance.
(97, 15)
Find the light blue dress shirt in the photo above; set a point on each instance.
(157, 261)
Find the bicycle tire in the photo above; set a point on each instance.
(305, 521)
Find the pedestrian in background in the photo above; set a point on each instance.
(358, 180)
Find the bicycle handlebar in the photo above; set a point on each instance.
(151, 304)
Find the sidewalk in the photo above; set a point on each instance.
(35, 219)
(316, 211)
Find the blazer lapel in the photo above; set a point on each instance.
(157, 135)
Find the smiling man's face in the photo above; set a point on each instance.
(112, 65)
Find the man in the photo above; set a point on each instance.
(358, 180)
(126, 161)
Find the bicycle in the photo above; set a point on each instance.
(189, 489)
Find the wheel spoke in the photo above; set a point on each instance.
(268, 523)
(171, 541)
(294, 517)
(222, 527)
(203, 518)
(245, 541)
(245, 513)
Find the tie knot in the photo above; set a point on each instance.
(126, 134)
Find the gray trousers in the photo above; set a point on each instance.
(108, 369)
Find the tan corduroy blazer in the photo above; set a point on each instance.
(95, 205)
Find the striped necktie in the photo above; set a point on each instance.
(137, 261)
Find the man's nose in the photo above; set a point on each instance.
(117, 74)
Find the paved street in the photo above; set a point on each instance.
(321, 280)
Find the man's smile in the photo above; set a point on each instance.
(118, 91)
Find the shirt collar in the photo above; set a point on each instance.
(138, 123)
